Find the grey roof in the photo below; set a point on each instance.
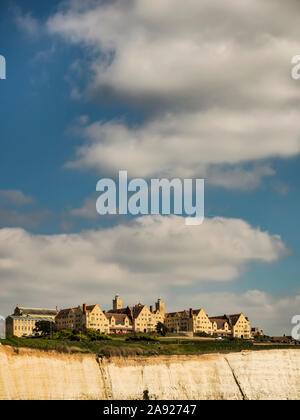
(31, 318)
(35, 311)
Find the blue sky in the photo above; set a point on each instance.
(57, 88)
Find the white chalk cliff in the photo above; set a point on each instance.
(32, 374)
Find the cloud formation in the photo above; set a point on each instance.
(150, 254)
(16, 210)
(150, 257)
(214, 78)
(87, 210)
(27, 23)
(15, 197)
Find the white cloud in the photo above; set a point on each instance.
(87, 210)
(214, 76)
(188, 145)
(28, 219)
(27, 23)
(185, 51)
(15, 197)
(16, 210)
(151, 255)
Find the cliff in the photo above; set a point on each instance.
(32, 374)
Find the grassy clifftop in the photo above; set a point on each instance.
(117, 346)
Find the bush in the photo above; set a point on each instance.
(202, 334)
(96, 336)
(62, 335)
(143, 337)
(121, 351)
(79, 337)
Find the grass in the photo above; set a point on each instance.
(119, 347)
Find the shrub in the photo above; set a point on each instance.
(79, 337)
(202, 334)
(143, 337)
(62, 335)
(94, 335)
(121, 351)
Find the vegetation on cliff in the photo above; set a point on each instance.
(144, 346)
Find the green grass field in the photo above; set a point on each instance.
(119, 347)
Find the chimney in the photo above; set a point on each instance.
(151, 309)
(84, 308)
(191, 313)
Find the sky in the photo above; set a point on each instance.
(172, 89)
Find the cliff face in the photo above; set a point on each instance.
(31, 374)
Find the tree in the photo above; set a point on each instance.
(161, 329)
(44, 327)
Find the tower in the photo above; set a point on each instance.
(117, 303)
(160, 306)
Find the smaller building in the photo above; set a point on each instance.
(283, 340)
(118, 323)
(23, 320)
(81, 318)
(220, 327)
(192, 320)
(142, 319)
(235, 325)
(257, 332)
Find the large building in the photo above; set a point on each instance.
(23, 320)
(136, 318)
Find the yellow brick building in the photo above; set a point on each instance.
(23, 321)
(220, 327)
(138, 318)
(193, 320)
(119, 323)
(141, 319)
(236, 325)
(197, 321)
(81, 318)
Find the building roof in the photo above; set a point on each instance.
(283, 339)
(120, 318)
(230, 319)
(63, 313)
(131, 311)
(34, 311)
(220, 322)
(89, 308)
(30, 318)
(184, 313)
